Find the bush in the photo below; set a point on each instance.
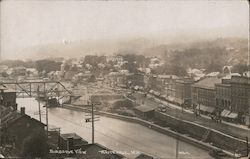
(123, 104)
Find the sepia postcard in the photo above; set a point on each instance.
(124, 79)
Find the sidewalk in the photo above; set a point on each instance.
(191, 112)
(238, 131)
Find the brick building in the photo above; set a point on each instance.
(161, 83)
(182, 89)
(240, 96)
(204, 95)
(223, 94)
(224, 100)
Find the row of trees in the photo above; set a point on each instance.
(175, 62)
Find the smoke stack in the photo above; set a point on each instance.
(70, 143)
(22, 111)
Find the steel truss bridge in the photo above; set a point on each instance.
(28, 89)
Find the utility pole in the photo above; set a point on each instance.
(92, 119)
(1, 127)
(46, 108)
(39, 105)
(177, 139)
(248, 62)
(182, 99)
(93, 127)
(177, 149)
(47, 117)
(247, 146)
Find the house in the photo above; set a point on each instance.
(8, 97)
(17, 126)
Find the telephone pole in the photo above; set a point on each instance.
(177, 138)
(46, 108)
(93, 127)
(92, 119)
(39, 105)
(47, 117)
(248, 61)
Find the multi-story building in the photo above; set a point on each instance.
(223, 94)
(161, 83)
(204, 95)
(116, 79)
(183, 91)
(223, 97)
(240, 96)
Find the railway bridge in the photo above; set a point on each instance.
(28, 89)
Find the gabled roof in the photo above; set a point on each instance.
(94, 149)
(14, 116)
(208, 83)
(168, 76)
(145, 108)
(18, 117)
(144, 156)
(70, 135)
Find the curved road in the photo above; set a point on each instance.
(125, 137)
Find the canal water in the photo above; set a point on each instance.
(127, 138)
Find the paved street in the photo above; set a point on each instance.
(231, 130)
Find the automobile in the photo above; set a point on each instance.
(163, 109)
(218, 154)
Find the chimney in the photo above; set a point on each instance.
(22, 111)
(70, 143)
(14, 107)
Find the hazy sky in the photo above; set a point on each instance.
(26, 23)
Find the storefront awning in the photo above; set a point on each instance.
(202, 108)
(232, 115)
(206, 109)
(178, 100)
(171, 98)
(225, 113)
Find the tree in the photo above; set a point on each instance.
(47, 65)
(132, 62)
(239, 68)
(92, 78)
(4, 74)
(35, 145)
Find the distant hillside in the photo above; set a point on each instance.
(204, 54)
(81, 48)
(198, 54)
